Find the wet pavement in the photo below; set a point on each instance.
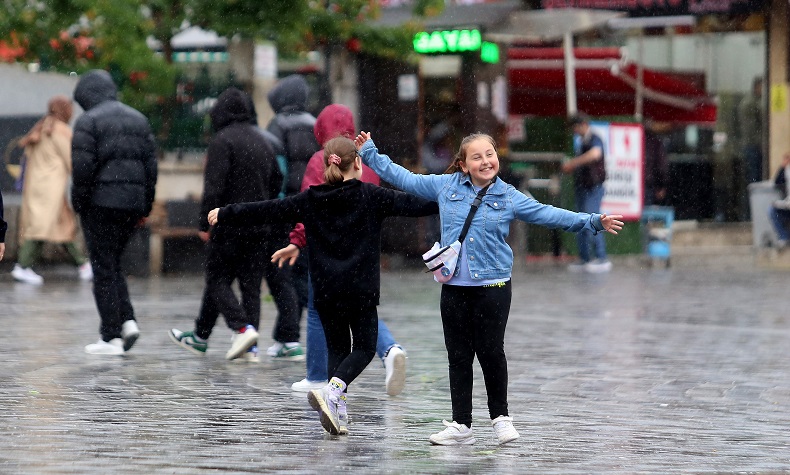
(638, 371)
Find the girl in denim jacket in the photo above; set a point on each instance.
(475, 303)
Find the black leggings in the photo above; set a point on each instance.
(345, 362)
(474, 321)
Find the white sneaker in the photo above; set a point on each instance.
(274, 349)
(395, 364)
(598, 266)
(241, 342)
(86, 272)
(453, 434)
(113, 347)
(504, 430)
(129, 333)
(26, 275)
(782, 204)
(305, 385)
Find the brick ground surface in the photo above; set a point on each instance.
(638, 371)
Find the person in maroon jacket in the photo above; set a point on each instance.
(343, 220)
(337, 120)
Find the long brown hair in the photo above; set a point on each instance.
(460, 156)
(59, 108)
(344, 148)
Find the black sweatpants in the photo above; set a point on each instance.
(107, 231)
(228, 260)
(474, 321)
(341, 323)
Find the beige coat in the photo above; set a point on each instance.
(46, 214)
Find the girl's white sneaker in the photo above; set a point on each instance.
(453, 434)
(503, 427)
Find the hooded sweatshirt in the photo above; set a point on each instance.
(240, 164)
(113, 150)
(335, 120)
(293, 126)
(343, 223)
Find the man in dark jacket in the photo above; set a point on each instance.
(293, 127)
(114, 175)
(240, 167)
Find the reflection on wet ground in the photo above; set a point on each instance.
(637, 371)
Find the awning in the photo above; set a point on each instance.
(606, 85)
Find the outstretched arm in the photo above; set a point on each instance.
(424, 186)
(258, 212)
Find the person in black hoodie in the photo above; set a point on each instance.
(114, 174)
(240, 167)
(343, 219)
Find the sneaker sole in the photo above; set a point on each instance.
(397, 380)
(244, 342)
(130, 340)
(318, 404)
(468, 441)
(182, 345)
(510, 439)
(289, 358)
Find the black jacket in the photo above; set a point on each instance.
(113, 151)
(3, 224)
(343, 225)
(240, 166)
(293, 126)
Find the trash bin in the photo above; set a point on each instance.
(761, 196)
(656, 226)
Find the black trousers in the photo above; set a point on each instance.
(107, 231)
(341, 323)
(283, 287)
(474, 321)
(227, 261)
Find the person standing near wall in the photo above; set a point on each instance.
(114, 173)
(589, 173)
(751, 111)
(47, 215)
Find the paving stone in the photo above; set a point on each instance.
(638, 371)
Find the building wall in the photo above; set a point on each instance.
(778, 101)
(730, 60)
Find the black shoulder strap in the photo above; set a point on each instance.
(475, 204)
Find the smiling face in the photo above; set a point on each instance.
(480, 160)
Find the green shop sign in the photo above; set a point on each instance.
(455, 41)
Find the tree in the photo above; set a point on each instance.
(77, 35)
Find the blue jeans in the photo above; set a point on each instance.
(588, 200)
(316, 341)
(781, 220)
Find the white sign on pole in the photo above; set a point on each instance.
(624, 149)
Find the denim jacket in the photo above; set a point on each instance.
(488, 254)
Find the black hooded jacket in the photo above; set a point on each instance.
(113, 151)
(293, 126)
(240, 165)
(343, 224)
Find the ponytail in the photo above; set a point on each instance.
(341, 148)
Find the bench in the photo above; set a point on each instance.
(171, 220)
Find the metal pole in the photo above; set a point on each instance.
(570, 73)
(640, 79)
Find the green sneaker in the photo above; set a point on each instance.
(187, 340)
(290, 352)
